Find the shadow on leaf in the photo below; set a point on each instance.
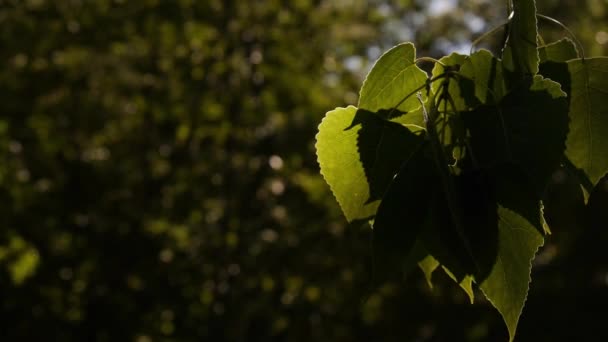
(383, 146)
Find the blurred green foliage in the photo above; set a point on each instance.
(158, 180)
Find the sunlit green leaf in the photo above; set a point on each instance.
(393, 77)
(428, 265)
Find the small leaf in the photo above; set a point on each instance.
(457, 92)
(520, 55)
(428, 265)
(466, 283)
(553, 62)
(393, 76)
(359, 154)
(485, 71)
(559, 51)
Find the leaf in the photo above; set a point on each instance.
(520, 230)
(472, 253)
(465, 283)
(528, 127)
(359, 153)
(402, 213)
(587, 144)
(428, 265)
(520, 55)
(393, 77)
(559, 51)
(414, 120)
(506, 287)
(503, 226)
(457, 92)
(553, 62)
(486, 72)
(585, 81)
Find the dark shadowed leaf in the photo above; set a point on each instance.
(402, 213)
(528, 127)
(471, 253)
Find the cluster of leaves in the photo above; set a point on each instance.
(451, 168)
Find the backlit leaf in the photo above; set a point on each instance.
(359, 154)
(393, 77)
(506, 287)
(486, 72)
(587, 145)
(428, 265)
(559, 51)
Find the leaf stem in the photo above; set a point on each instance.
(445, 175)
(449, 98)
(429, 59)
(415, 91)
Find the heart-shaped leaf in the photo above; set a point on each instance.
(359, 154)
(392, 78)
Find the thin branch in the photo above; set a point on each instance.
(570, 33)
(429, 59)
